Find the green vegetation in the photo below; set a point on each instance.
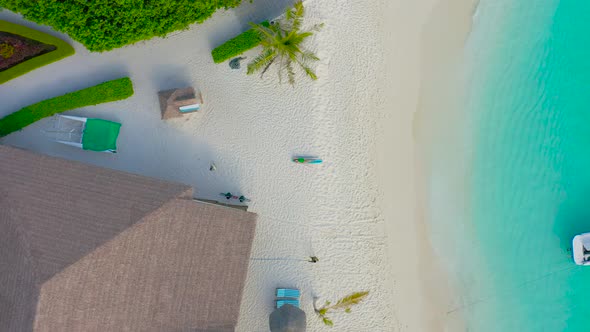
(237, 45)
(105, 92)
(6, 50)
(344, 303)
(63, 50)
(102, 25)
(282, 44)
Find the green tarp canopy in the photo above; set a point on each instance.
(100, 135)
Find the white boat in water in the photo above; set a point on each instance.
(581, 249)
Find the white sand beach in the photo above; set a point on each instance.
(427, 50)
(362, 212)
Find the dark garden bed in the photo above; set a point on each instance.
(15, 49)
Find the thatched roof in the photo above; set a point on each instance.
(172, 100)
(90, 249)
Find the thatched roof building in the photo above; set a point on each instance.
(90, 249)
(177, 102)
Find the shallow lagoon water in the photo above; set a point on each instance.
(527, 169)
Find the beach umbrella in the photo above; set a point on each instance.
(287, 318)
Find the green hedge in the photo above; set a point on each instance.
(105, 92)
(62, 50)
(237, 45)
(102, 25)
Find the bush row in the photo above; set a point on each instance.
(102, 25)
(62, 50)
(237, 45)
(105, 92)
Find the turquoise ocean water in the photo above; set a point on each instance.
(528, 103)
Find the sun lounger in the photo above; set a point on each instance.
(287, 292)
(281, 303)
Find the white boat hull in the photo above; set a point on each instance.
(581, 249)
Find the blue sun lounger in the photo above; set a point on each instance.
(281, 303)
(287, 292)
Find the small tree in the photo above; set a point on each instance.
(282, 44)
(6, 50)
(344, 303)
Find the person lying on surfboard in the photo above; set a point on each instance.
(304, 160)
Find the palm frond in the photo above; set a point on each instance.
(278, 36)
(300, 37)
(306, 68)
(293, 51)
(265, 32)
(281, 67)
(352, 299)
(297, 13)
(309, 72)
(297, 39)
(344, 303)
(309, 56)
(289, 13)
(279, 27)
(290, 72)
(261, 61)
(267, 66)
(317, 27)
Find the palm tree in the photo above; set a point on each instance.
(281, 42)
(344, 303)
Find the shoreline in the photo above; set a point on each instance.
(440, 133)
(427, 56)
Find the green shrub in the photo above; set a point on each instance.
(105, 92)
(237, 45)
(62, 50)
(102, 25)
(6, 50)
